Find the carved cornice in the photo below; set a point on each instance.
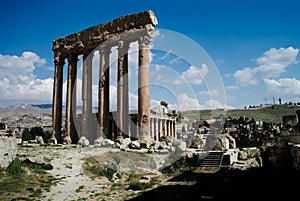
(128, 27)
(123, 47)
(144, 42)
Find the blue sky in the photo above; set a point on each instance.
(253, 47)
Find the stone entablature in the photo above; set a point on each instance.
(90, 38)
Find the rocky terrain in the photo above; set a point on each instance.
(75, 173)
(78, 173)
(26, 115)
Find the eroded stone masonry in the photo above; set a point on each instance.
(119, 33)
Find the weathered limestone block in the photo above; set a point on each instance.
(83, 141)
(197, 142)
(98, 141)
(39, 139)
(289, 121)
(244, 158)
(8, 151)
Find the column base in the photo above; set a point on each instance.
(52, 140)
(67, 140)
(145, 142)
(119, 139)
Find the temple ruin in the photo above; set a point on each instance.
(119, 33)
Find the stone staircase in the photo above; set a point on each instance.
(213, 159)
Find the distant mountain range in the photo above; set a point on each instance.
(43, 106)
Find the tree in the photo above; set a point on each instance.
(26, 135)
(37, 131)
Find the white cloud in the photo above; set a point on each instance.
(186, 103)
(193, 75)
(16, 65)
(283, 86)
(232, 87)
(270, 65)
(19, 84)
(214, 104)
(212, 92)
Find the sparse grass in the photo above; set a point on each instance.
(136, 184)
(15, 168)
(271, 113)
(21, 181)
(95, 167)
(68, 165)
(79, 189)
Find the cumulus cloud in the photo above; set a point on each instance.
(19, 84)
(185, 102)
(24, 64)
(270, 65)
(232, 87)
(193, 75)
(215, 104)
(283, 86)
(212, 92)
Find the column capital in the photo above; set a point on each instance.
(104, 49)
(58, 61)
(86, 54)
(144, 42)
(72, 58)
(123, 47)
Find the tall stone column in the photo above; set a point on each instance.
(122, 90)
(103, 102)
(71, 134)
(151, 128)
(156, 130)
(144, 89)
(86, 95)
(160, 130)
(175, 129)
(57, 100)
(171, 128)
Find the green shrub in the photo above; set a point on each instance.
(26, 135)
(136, 186)
(15, 168)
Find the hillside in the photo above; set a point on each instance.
(270, 113)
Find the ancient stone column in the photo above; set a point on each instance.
(144, 89)
(156, 130)
(103, 99)
(86, 95)
(122, 90)
(160, 128)
(71, 134)
(151, 128)
(171, 128)
(175, 129)
(57, 100)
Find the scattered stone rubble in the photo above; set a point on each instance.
(166, 144)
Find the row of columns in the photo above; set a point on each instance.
(103, 93)
(162, 127)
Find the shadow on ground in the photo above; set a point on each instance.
(254, 184)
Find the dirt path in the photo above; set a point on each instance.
(74, 184)
(67, 161)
